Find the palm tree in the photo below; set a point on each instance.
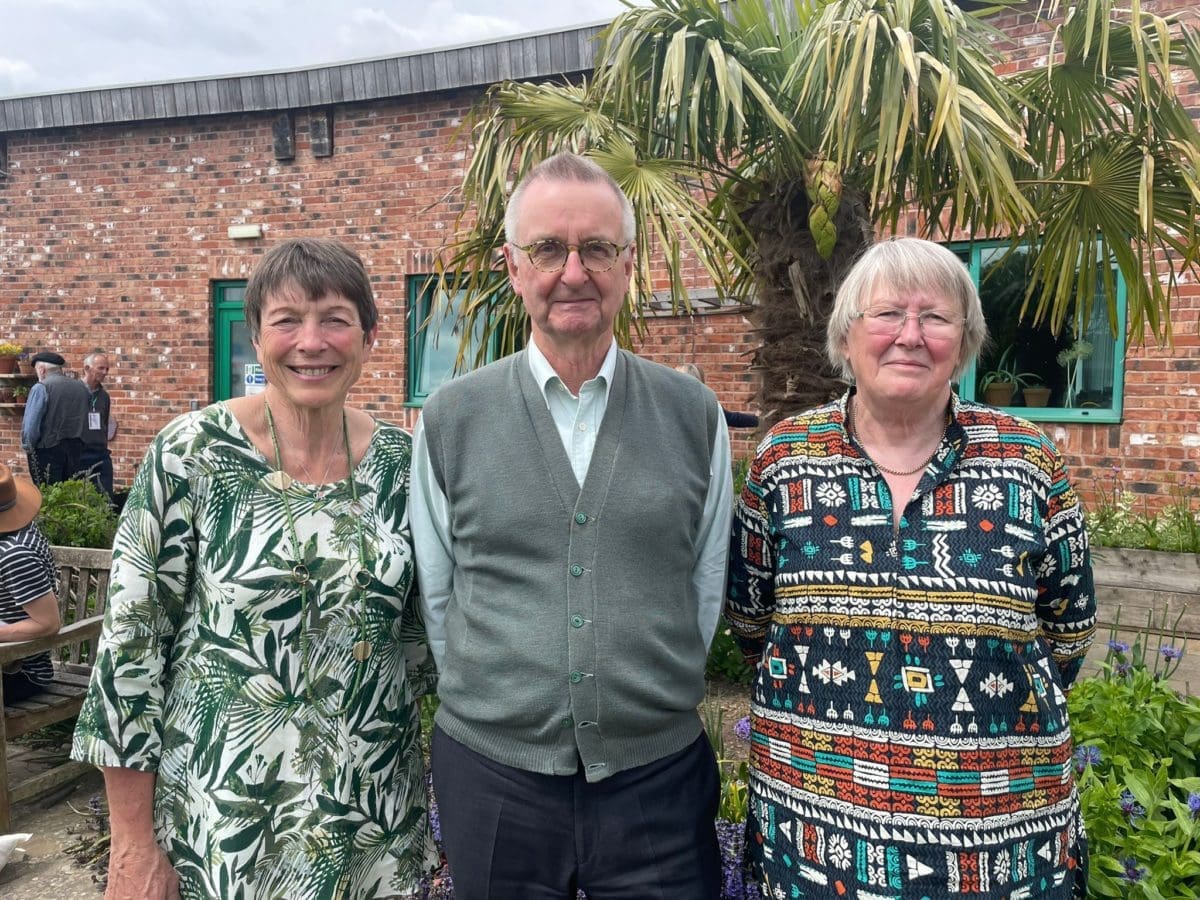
(771, 141)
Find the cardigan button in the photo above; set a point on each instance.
(581, 518)
(576, 570)
(566, 722)
(576, 621)
(576, 677)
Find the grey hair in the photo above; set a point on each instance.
(90, 359)
(567, 167)
(906, 264)
(691, 369)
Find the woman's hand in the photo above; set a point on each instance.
(138, 869)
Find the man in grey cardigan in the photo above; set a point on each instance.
(570, 510)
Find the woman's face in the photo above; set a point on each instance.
(312, 351)
(910, 368)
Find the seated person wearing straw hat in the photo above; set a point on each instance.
(28, 584)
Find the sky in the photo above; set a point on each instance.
(63, 45)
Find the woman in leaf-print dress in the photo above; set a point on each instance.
(910, 577)
(253, 706)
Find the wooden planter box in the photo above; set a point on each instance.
(1138, 583)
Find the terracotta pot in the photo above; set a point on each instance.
(999, 393)
(1036, 396)
(8, 365)
(6, 395)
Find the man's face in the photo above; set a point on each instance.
(95, 374)
(40, 369)
(570, 308)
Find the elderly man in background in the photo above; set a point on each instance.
(569, 508)
(55, 417)
(100, 427)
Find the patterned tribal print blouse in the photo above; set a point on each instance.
(910, 734)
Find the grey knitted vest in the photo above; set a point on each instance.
(571, 632)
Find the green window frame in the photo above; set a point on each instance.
(433, 341)
(1086, 377)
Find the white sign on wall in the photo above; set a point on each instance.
(256, 381)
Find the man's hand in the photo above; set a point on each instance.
(140, 871)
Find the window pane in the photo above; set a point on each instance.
(433, 346)
(1079, 374)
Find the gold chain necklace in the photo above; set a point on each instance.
(362, 649)
(867, 453)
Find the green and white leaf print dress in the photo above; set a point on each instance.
(280, 773)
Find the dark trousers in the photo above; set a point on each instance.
(96, 461)
(50, 465)
(17, 686)
(642, 834)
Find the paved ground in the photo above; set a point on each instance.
(47, 872)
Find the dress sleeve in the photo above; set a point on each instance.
(154, 554)
(1066, 603)
(751, 597)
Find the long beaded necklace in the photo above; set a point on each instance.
(361, 649)
(867, 453)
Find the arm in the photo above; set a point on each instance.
(429, 515)
(712, 563)
(35, 408)
(137, 866)
(751, 600)
(1066, 602)
(43, 620)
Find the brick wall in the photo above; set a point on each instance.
(112, 237)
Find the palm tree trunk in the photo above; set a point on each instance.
(795, 290)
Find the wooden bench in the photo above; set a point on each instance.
(84, 577)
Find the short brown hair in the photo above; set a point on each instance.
(317, 266)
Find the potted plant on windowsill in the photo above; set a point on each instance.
(997, 386)
(1035, 392)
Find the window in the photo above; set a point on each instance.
(1067, 377)
(433, 342)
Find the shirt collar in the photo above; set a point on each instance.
(544, 374)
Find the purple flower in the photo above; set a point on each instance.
(731, 837)
(742, 728)
(1122, 669)
(1118, 646)
(1087, 756)
(1133, 872)
(1171, 652)
(1193, 802)
(1131, 807)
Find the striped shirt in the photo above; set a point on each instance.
(27, 572)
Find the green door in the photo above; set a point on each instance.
(235, 365)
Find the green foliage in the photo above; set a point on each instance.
(1117, 519)
(741, 469)
(76, 514)
(725, 659)
(735, 773)
(1136, 745)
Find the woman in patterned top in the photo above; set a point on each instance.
(253, 705)
(28, 584)
(910, 577)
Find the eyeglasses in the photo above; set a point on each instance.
(889, 321)
(551, 255)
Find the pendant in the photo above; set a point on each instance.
(279, 479)
(362, 650)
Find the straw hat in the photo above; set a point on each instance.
(20, 500)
